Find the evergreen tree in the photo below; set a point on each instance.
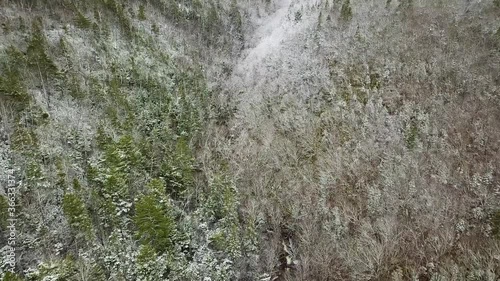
(142, 13)
(155, 226)
(346, 11)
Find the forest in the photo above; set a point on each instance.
(267, 140)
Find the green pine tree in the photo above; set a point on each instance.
(142, 13)
(154, 223)
(76, 213)
(346, 11)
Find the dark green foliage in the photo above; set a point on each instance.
(221, 199)
(142, 14)
(120, 158)
(221, 208)
(345, 94)
(183, 118)
(346, 11)
(102, 138)
(76, 213)
(74, 86)
(129, 154)
(412, 133)
(37, 56)
(61, 175)
(320, 21)
(4, 214)
(495, 224)
(115, 170)
(174, 180)
(146, 254)
(82, 22)
(112, 114)
(145, 258)
(11, 84)
(24, 139)
(37, 41)
(131, 12)
(114, 180)
(174, 11)
(157, 187)
(178, 169)
(121, 14)
(155, 29)
(374, 81)
(76, 185)
(155, 225)
(235, 16)
(15, 56)
(11, 277)
(194, 14)
(204, 17)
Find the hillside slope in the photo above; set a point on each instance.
(242, 140)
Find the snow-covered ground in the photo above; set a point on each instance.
(275, 55)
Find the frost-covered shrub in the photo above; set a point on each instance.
(4, 205)
(11, 80)
(142, 15)
(346, 11)
(151, 266)
(82, 21)
(495, 224)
